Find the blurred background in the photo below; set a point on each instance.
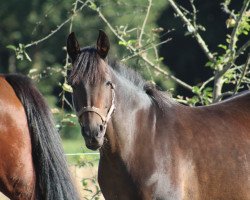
(24, 22)
(33, 36)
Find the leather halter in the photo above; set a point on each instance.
(98, 111)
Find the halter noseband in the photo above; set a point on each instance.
(98, 111)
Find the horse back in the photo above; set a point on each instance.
(210, 150)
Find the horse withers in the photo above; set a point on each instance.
(152, 147)
(32, 162)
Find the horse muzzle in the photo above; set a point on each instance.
(93, 138)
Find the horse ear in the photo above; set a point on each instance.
(73, 47)
(102, 44)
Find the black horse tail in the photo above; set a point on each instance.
(53, 181)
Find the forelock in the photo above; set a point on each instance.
(86, 68)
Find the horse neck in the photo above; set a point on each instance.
(131, 104)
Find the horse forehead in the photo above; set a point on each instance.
(98, 74)
(104, 69)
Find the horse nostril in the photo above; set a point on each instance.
(101, 128)
(85, 131)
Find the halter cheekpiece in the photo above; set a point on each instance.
(98, 111)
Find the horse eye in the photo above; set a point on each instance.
(108, 83)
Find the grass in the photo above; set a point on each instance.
(73, 146)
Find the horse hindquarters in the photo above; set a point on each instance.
(17, 176)
(53, 180)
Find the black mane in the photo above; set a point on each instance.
(82, 72)
(128, 73)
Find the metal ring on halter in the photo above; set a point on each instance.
(98, 111)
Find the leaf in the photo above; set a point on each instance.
(245, 32)
(71, 115)
(123, 43)
(19, 56)
(196, 90)
(33, 71)
(160, 59)
(55, 111)
(132, 41)
(21, 46)
(209, 64)
(66, 87)
(193, 100)
(67, 122)
(58, 126)
(222, 46)
(208, 93)
(92, 6)
(84, 183)
(12, 47)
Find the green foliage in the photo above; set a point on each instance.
(20, 51)
(244, 27)
(225, 63)
(35, 32)
(95, 193)
(67, 124)
(90, 185)
(66, 87)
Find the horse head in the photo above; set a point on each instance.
(93, 91)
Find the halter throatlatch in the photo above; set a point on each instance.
(98, 111)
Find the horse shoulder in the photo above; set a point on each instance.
(115, 181)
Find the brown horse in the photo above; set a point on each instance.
(152, 147)
(32, 163)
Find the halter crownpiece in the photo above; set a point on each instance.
(98, 111)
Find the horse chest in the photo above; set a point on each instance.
(114, 180)
(118, 184)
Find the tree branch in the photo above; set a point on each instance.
(206, 82)
(144, 23)
(194, 13)
(144, 50)
(193, 31)
(130, 47)
(234, 36)
(243, 74)
(223, 95)
(70, 30)
(227, 10)
(218, 80)
(242, 48)
(57, 29)
(65, 67)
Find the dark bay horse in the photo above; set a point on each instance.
(152, 147)
(32, 162)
